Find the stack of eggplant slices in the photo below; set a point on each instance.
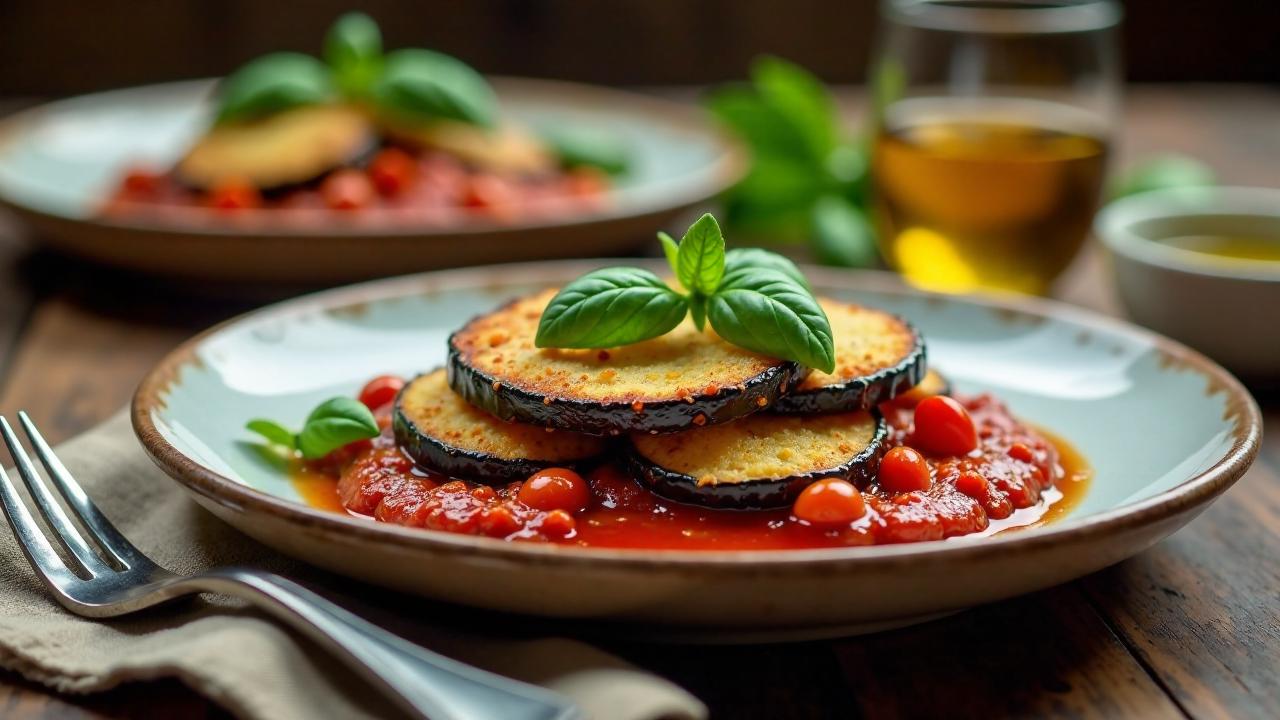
(696, 419)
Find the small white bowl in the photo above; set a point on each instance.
(1228, 308)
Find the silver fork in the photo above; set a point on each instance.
(118, 579)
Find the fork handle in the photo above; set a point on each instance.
(425, 683)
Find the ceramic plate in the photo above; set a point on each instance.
(1165, 430)
(59, 161)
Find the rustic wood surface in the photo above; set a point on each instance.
(1189, 628)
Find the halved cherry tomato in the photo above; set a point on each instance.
(830, 501)
(903, 470)
(393, 171)
(555, 489)
(347, 189)
(235, 195)
(943, 427)
(380, 391)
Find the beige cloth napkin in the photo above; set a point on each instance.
(234, 655)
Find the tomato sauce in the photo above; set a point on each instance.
(395, 187)
(1017, 477)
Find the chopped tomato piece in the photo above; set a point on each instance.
(393, 171)
(235, 195)
(943, 427)
(141, 182)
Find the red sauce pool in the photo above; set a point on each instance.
(1031, 478)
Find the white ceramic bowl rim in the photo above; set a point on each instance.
(1116, 222)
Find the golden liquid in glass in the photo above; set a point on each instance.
(987, 193)
(1234, 247)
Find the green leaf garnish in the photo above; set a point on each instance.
(423, 85)
(353, 50)
(801, 100)
(273, 83)
(743, 258)
(334, 423)
(700, 257)
(766, 310)
(610, 307)
(841, 234)
(274, 432)
(583, 147)
(753, 298)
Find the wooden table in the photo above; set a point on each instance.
(1188, 628)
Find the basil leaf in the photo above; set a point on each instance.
(353, 49)
(272, 83)
(274, 432)
(801, 100)
(588, 148)
(610, 307)
(701, 256)
(746, 258)
(670, 249)
(422, 85)
(334, 423)
(841, 234)
(698, 310)
(1162, 172)
(766, 310)
(763, 128)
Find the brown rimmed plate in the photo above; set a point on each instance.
(1165, 430)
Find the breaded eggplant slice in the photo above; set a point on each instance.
(279, 150)
(440, 431)
(681, 380)
(763, 461)
(507, 149)
(878, 356)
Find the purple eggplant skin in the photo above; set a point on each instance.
(756, 494)
(434, 454)
(614, 418)
(860, 393)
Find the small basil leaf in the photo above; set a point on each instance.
(334, 423)
(1162, 172)
(767, 311)
(802, 100)
(272, 83)
(353, 49)
(698, 310)
(610, 307)
(841, 234)
(580, 147)
(701, 256)
(422, 85)
(741, 258)
(274, 432)
(671, 250)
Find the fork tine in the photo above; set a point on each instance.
(44, 560)
(62, 527)
(113, 543)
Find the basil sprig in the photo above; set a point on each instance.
(752, 298)
(808, 181)
(334, 423)
(411, 85)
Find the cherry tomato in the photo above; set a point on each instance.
(558, 523)
(380, 391)
(830, 501)
(903, 470)
(235, 195)
(393, 171)
(943, 427)
(347, 189)
(555, 489)
(972, 484)
(487, 192)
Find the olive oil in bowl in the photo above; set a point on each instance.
(985, 192)
(1231, 248)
